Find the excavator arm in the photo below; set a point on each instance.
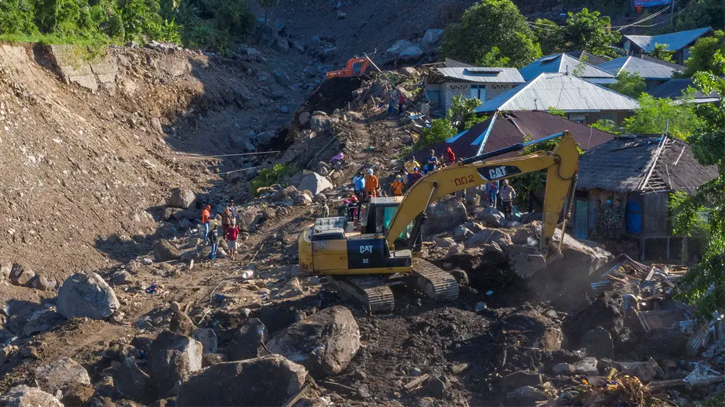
(562, 165)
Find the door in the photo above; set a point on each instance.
(633, 215)
(581, 218)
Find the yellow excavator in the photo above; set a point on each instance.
(365, 264)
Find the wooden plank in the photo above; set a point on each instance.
(291, 402)
(337, 386)
(417, 382)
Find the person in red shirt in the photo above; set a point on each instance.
(415, 176)
(205, 219)
(232, 235)
(450, 156)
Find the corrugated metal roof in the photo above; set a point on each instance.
(590, 58)
(646, 68)
(511, 128)
(674, 41)
(562, 63)
(474, 74)
(623, 163)
(561, 91)
(674, 89)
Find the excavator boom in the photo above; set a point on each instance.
(561, 164)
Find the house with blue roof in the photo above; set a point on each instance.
(654, 71)
(678, 42)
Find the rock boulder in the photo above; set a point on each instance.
(21, 275)
(324, 343)
(315, 183)
(444, 215)
(166, 251)
(266, 381)
(529, 328)
(131, 382)
(489, 235)
(172, 359)
(248, 340)
(86, 295)
(432, 37)
(181, 198)
(60, 375)
(24, 396)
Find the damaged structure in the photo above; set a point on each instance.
(641, 172)
(504, 129)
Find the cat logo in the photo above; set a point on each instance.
(497, 172)
(366, 249)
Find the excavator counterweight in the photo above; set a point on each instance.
(365, 264)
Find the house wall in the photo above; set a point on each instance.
(654, 208)
(617, 116)
(449, 90)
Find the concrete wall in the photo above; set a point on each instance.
(451, 89)
(75, 64)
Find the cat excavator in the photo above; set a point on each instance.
(364, 264)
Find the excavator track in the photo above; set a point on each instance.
(434, 282)
(374, 293)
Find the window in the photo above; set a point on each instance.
(578, 117)
(478, 92)
(608, 116)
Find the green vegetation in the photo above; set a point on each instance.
(607, 125)
(550, 35)
(704, 284)
(270, 176)
(654, 114)
(489, 24)
(584, 31)
(660, 52)
(207, 24)
(589, 31)
(704, 55)
(698, 14)
(460, 116)
(630, 84)
(556, 112)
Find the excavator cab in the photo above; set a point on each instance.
(354, 67)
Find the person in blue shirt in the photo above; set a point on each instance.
(431, 163)
(358, 184)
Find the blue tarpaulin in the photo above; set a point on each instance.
(651, 3)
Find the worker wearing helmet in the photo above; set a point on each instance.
(371, 184)
(396, 189)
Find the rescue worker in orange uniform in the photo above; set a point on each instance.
(396, 189)
(371, 184)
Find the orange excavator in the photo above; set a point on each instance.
(354, 67)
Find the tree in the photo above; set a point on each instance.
(489, 24)
(267, 4)
(704, 283)
(17, 17)
(550, 35)
(460, 116)
(655, 115)
(589, 31)
(698, 14)
(630, 84)
(494, 58)
(660, 52)
(702, 55)
(607, 125)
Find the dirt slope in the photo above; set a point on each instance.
(82, 173)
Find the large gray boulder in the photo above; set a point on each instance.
(444, 215)
(396, 49)
(492, 216)
(248, 341)
(320, 122)
(411, 53)
(172, 359)
(525, 261)
(315, 183)
(24, 396)
(166, 251)
(432, 37)
(61, 375)
(324, 343)
(181, 198)
(267, 381)
(488, 236)
(131, 382)
(86, 295)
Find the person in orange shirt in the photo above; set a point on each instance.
(371, 184)
(205, 218)
(396, 189)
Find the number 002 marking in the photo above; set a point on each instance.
(464, 180)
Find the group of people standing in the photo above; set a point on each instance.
(229, 230)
